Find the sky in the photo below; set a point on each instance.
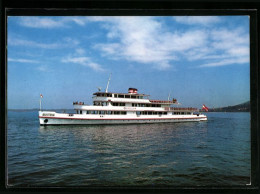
(196, 59)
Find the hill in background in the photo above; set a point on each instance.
(244, 107)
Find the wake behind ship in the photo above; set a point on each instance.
(122, 108)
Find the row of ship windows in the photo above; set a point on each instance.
(103, 112)
(121, 96)
(123, 104)
(128, 96)
(145, 105)
(124, 112)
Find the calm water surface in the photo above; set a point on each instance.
(216, 152)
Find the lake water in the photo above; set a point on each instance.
(215, 152)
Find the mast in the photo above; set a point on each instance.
(169, 96)
(40, 104)
(108, 83)
(41, 96)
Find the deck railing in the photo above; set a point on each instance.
(180, 109)
(161, 102)
(78, 103)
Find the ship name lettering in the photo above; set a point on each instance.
(129, 108)
(48, 114)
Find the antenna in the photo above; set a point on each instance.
(169, 96)
(99, 89)
(108, 82)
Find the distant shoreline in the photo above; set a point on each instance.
(243, 107)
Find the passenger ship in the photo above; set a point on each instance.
(122, 108)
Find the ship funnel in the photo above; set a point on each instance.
(132, 91)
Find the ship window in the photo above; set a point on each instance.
(138, 112)
(150, 113)
(96, 103)
(127, 96)
(133, 96)
(121, 96)
(165, 113)
(80, 112)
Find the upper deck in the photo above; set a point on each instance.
(131, 97)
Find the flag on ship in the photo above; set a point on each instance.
(41, 95)
(205, 108)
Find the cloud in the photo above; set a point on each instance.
(80, 51)
(201, 20)
(85, 61)
(40, 22)
(22, 42)
(145, 40)
(22, 60)
(43, 69)
(51, 22)
(228, 47)
(66, 42)
(225, 62)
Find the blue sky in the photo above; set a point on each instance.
(197, 59)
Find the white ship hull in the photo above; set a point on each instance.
(53, 118)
